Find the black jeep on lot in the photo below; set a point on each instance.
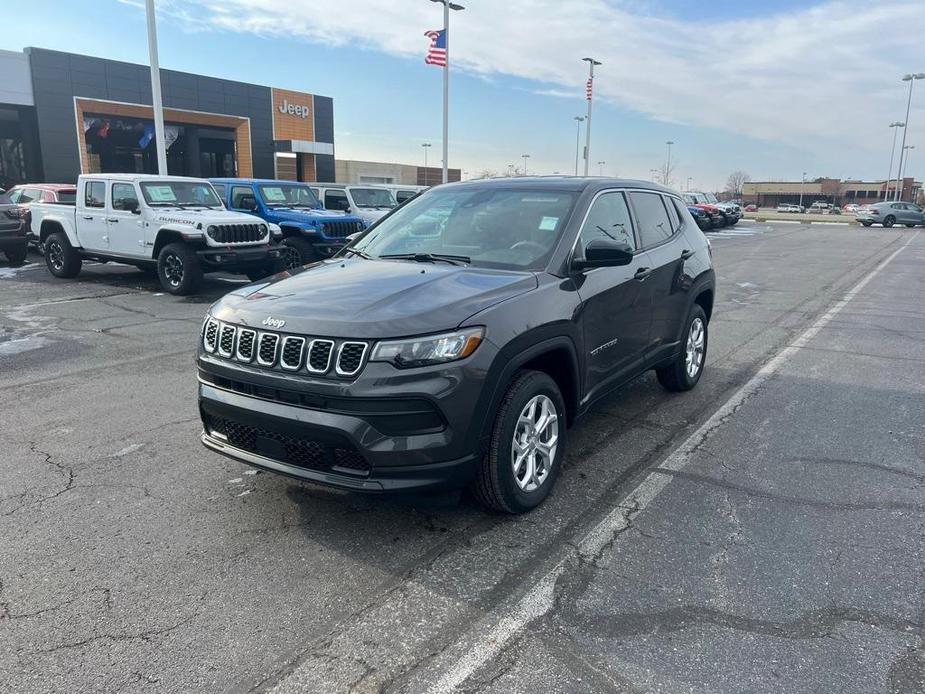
(13, 241)
(455, 340)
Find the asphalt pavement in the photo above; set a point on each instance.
(764, 532)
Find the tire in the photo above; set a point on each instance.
(911, 226)
(497, 485)
(60, 257)
(677, 376)
(299, 252)
(889, 221)
(178, 269)
(16, 256)
(866, 224)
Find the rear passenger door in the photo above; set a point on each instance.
(92, 228)
(615, 300)
(659, 224)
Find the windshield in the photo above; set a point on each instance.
(288, 196)
(373, 197)
(179, 194)
(710, 198)
(491, 227)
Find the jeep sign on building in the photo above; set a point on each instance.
(78, 114)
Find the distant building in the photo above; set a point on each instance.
(355, 171)
(831, 190)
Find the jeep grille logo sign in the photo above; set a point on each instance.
(293, 109)
(272, 322)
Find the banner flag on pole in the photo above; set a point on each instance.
(436, 52)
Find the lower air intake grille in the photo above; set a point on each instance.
(298, 451)
(350, 358)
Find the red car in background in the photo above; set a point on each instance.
(26, 193)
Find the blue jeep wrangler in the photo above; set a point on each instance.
(309, 232)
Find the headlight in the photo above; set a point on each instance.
(263, 229)
(211, 231)
(432, 349)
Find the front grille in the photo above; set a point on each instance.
(319, 356)
(302, 452)
(339, 230)
(236, 233)
(350, 358)
(291, 356)
(226, 340)
(246, 339)
(266, 353)
(210, 336)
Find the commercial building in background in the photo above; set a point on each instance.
(355, 171)
(831, 190)
(63, 114)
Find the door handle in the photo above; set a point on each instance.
(113, 220)
(88, 217)
(685, 254)
(642, 273)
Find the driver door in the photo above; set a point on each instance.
(126, 230)
(616, 301)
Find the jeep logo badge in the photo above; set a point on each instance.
(293, 109)
(272, 322)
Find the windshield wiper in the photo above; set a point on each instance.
(357, 251)
(430, 258)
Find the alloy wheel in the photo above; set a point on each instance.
(55, 254)
(536, 438)
(695, 347)
(291, 257)
(173, 270)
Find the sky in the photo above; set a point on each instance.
(774, 88)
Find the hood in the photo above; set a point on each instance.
(372, 214)
(194, 217)
(304, 215)
(707, 206)
(357, 298)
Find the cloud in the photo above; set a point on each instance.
(822, 76)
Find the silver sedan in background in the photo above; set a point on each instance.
(890, 213)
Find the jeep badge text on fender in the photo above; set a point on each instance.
(272, 322)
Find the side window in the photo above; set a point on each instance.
(336, 200)
(95, 194)
(316, 192)
(242, 198)
(220, 189)
(673, 214)
(608, 218)
(652, 218)
(14, 195)
(124, 197)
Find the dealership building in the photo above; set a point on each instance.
(831, 190)
(63, 114)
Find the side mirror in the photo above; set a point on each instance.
(605, 253)
(131, 206)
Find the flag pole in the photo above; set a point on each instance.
(156, 102)
(591, 63)
(446, 88)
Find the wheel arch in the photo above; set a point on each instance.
(164, 237)
(49, 227)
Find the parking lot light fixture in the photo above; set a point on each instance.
(905, 162)
(525, 157)
(666, 177)
(600, 166)
(426, 146)
(579, 120)
(802, 183)
(889, 176)
(910, 78)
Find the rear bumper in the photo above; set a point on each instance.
(238, 258)
(13, 238)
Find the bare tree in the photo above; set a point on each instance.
(667, 172)
(736, 181)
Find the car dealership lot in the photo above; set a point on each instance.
(785, 554)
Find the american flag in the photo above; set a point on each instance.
(436, 52)
(588, 88)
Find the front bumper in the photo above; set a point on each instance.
(232, 259)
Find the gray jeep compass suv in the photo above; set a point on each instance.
(455, 341)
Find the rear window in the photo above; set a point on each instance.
(67, 196)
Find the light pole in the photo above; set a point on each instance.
(588, 93)
(159, 143)
(600, 165)
(905, 163)
(910, 78)
(426, 147)
(802, 182)
(447, 6)
(889, 177)
(525, 157)
(579, 120)
(665, 180)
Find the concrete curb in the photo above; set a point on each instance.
(776, 220)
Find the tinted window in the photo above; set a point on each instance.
(608, 218)
(242, 197)
(403, 195)
(335, 200)
(673, 215)
(29, 195)
(13, 195)
(67, 196)
(95, 194)
(124, 197)
(652, 218)
(220, 189)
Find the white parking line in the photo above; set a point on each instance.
(486, 640)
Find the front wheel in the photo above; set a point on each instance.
(684, 372)
(178, 269)
(527, 446)
(16, 256)
(889, 221)
(297, 252)
(60, 257)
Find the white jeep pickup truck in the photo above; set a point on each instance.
(173, 225)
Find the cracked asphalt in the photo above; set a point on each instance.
(787, 555)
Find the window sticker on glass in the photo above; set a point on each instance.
(548, 223)
(274, 194)
(161, 194)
